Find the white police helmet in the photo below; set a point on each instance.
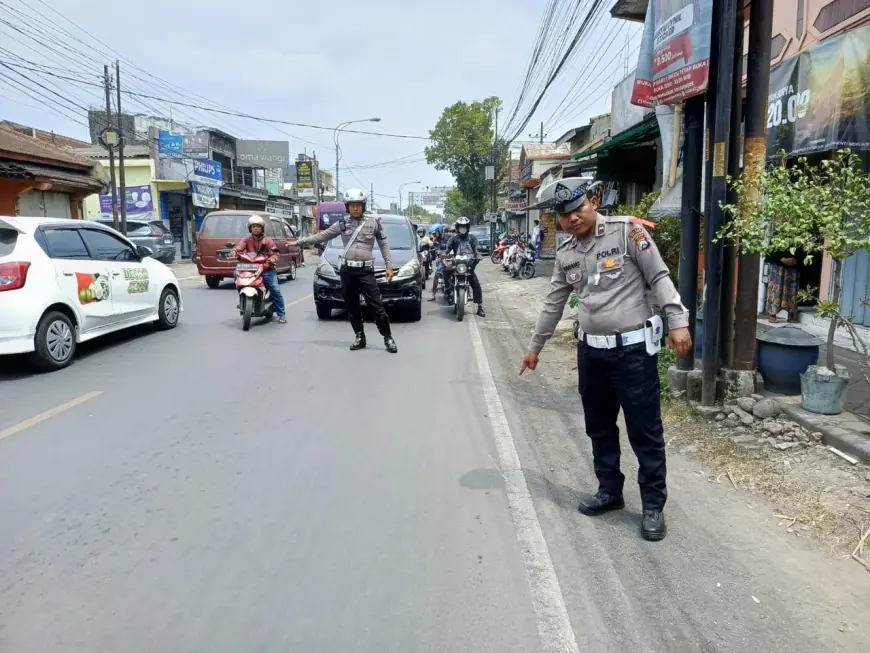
(566, 195)
(354, 196)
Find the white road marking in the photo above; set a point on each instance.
(297, 301)
(554, 624)
(51, 412)
(195, 276)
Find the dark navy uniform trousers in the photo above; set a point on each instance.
(627, 377)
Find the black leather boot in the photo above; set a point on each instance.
(390, 344)
(600, 503)
(480, 311)
(653, 527)
(359, 342)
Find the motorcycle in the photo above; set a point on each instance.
(498, 253)
(511, 256)
(445, 280)
(255, 300)
(462, 265)
(523, 265)
(426, 261)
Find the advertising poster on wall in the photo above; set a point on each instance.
(674, 59)
(139, 201)
(820, 99)
(206, 196)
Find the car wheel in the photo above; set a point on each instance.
(55, 342)
(292, 274)
(213, 282)
(323, 312)
(169, 309)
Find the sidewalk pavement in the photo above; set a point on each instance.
(184, 269)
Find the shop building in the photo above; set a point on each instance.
(41, 179)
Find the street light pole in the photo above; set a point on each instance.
(335, 134)
(407, 183)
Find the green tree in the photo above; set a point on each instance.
(456, 204)
(462, 144)
(419, 214)
(820, 209)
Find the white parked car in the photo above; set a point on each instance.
(63, 282)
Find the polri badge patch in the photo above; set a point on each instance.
(638, 237)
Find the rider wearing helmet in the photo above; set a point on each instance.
(259, 242)
(464, 242)
(359, 235)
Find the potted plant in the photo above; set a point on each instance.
(821, 209)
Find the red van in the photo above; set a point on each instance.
(222, 230)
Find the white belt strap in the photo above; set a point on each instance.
(610, 342)
(359, 264)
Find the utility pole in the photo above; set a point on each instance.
(107, 82)
(541, 135)
(718, 195)
(372, 194)
(729, 252)
(336, 168)
(690, 216)
(122, 190)
(754, 155)
(494, 161)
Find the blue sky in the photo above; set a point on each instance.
(307, 62)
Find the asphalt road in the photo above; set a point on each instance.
(210, 490)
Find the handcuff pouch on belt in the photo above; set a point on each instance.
(653, 329)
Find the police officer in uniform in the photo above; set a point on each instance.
(610, 262)
(359, 235)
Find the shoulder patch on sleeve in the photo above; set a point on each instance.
(639, 238)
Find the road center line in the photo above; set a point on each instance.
(51, 412)
(298, 301)
(554, 624)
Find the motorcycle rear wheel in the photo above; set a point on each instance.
(460, 304)
(527, 271)
(495, 257)
(247, 313)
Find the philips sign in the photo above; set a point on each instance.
(208, 169)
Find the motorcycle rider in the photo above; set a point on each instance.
(465, 243)
(359, 234)
(424, 238)
(259, 243)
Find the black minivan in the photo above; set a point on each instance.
(403, 294)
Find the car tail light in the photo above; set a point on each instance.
(13, 275)
(156, 231)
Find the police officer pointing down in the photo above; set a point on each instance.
(359, 235)
(609, 262)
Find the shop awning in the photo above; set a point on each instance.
(170, 184)
(641, 133)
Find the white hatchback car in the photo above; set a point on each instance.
(63, 282)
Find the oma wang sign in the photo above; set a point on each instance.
(262, 154)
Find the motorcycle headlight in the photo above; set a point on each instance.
(324, 269)
(462, 268)
(410, 269)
